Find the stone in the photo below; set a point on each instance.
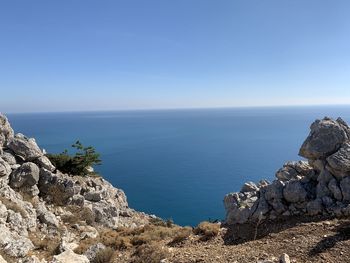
(340, 161)
(69, 256)
(274, 191)
(294, 192)
(291, 170)
(345, 188)
(314, 207)
(92, 251)
(26, 175)
(2, 260)
(335, 190)
(44, 162)
(5, 168)
(284, 258)
(6, 132)
(9, 158)
(25, 147)
(12, 244)
(249, 187)
(45, 216)
(325, 138)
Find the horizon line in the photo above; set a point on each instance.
(181, 108)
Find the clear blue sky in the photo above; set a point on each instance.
(102, 55)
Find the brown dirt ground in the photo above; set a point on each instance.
(323, 241)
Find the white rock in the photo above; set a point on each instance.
(69, 256)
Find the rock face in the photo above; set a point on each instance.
(318, 186)
(35, 197)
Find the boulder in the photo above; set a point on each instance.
(6, 132)
(5, 168)
(92, 251)
(69, 256)
(9, 158)
(45, 216)
(335, 189)
(291, 170)
(44, 162)
(12, 244)
(325, 138)
(249, 187)
(294, 192)
(26, 175)
(25, 147)
(314, 207)
(2, 260)
(340, 161)
(345, 188)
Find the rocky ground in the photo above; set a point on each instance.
(324, 241)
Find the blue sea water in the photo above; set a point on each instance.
(179, 164)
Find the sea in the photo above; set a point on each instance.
(179, 164)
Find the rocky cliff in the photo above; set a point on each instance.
(38, 202)
(317, 186)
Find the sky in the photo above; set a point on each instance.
(76, 55)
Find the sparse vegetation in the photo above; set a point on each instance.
(181, 235)
(150, 253)
(78, 215)
(207, 230)
(104, 256)
(13, 206)
(78, 164)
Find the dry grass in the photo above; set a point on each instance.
(48, 246)
(150, 253)
(207, 230)
(13, 206)
(181, 236)
(79, 214)
(104, 256)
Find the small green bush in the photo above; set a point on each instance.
(77, 164)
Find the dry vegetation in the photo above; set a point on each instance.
(146, 244)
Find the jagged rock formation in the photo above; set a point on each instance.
(318, 186)
(35, 198)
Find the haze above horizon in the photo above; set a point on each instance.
(119, 55)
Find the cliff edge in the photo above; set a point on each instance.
(39, 203)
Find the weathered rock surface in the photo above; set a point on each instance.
(6, 132)
(69, 256)
(24, 147)
(318, 186)
(35, 198)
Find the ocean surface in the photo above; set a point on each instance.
(179, 164)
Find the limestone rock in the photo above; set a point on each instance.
(6, 132)
(335, 190)
(291, 170)
(92, 251)
(345, 188)
(314, 207)
(44, 162)
(45, 216)
(294, 192)
(9, 158)
(26, 175)
(2, 260)
(25, 147)
(325, 138)
(5, 168)
(69, 256)
(249, 187)
(12, 244)
(340, 161)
